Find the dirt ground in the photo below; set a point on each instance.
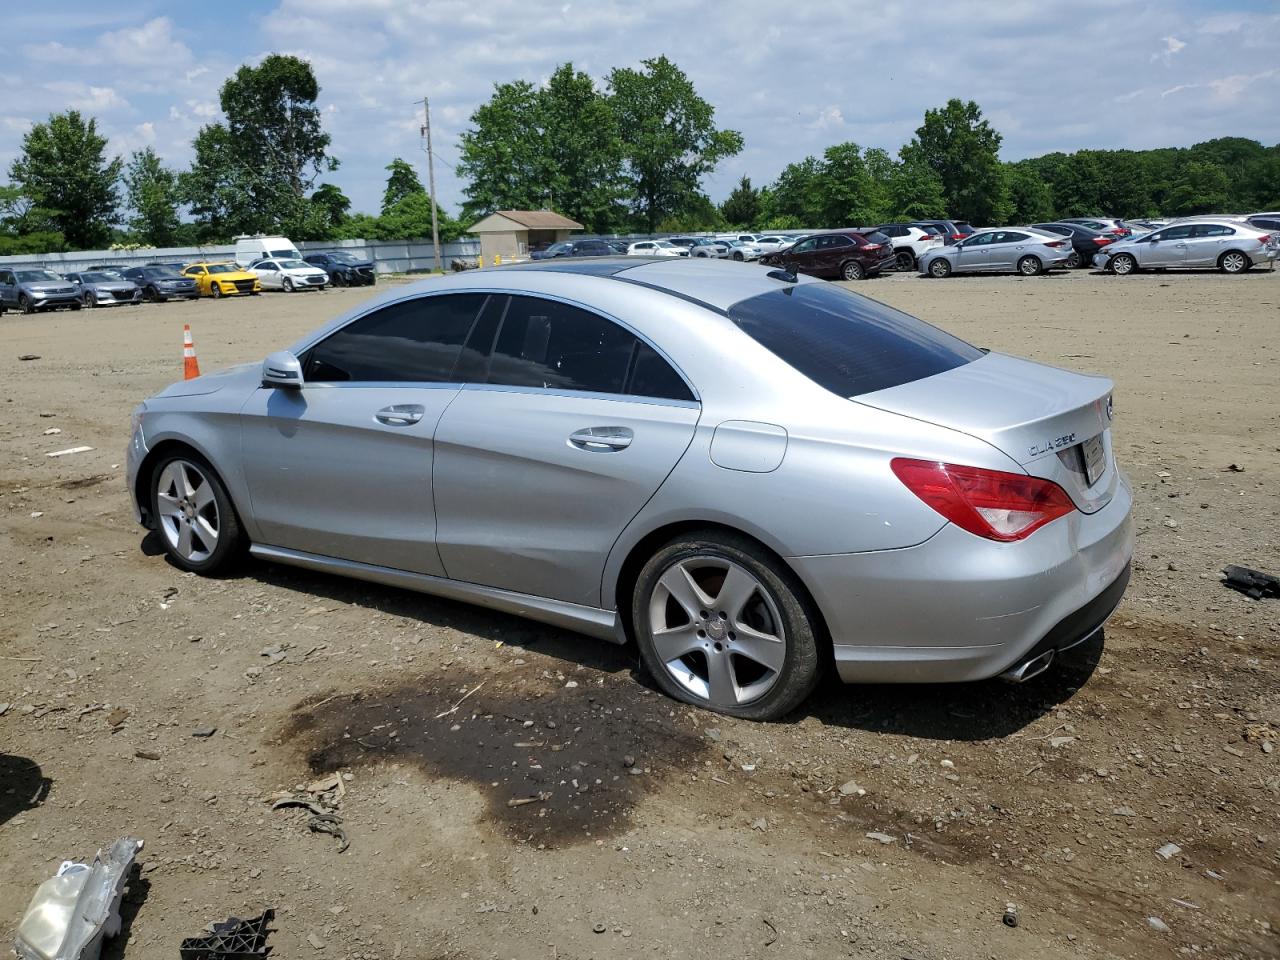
(655, 830)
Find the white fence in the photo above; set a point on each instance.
(388, 256)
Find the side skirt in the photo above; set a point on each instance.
(601, 624)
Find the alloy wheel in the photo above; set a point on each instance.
(852, 270)
(188, 511)
(717, 630)
(940, 268)
(1234, 262)
(1123, 264)
(1029, 267)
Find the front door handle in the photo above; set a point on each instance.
(400, 414)
(602, 439)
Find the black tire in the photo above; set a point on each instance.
(215, 290)
(231, 538)
(738, 256)
(340, 280)
(1030, 266)
(801, 666)
(940, 268)
(287, 285)
(852, 270)
(1075, 261)
(1123, 264)
(90, 301)
(24, 302)
(906, 260)
(1233, 261)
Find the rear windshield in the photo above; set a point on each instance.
(845, 342)
(875, 236)
(962, 227)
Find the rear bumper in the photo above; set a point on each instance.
(958, 608)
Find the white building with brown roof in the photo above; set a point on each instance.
(513, 233)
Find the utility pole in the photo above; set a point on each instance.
(431, 183)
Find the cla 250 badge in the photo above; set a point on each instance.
(1057, 443)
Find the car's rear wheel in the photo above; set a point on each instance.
(940, 268)
(1075, 261)
(1233, 261)
(906, 260)
(1123, 264)
(287, 284)
(1030, 267)
(724, 625)
(852, 270)
(197, 524)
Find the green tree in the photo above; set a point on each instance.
(215, 188)
(915, 192)
(63, 170)
(698, 214)
(1031, 200)
(669, 137)
(1202, 187)
(963, 150)
(582, 151)
(501, 154)
(152, 190)
(409, 218)
(742, 208)
(797, 195)
(329, 207)
(402, 181)
(849, 197)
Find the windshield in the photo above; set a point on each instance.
(294, 265)
(285, 254)
(847, 343)
(98, 278)
(223, 268)
(162, 273)
(343, 258)
(37, 276)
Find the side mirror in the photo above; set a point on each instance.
(282, 369)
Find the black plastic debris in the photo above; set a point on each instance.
(1252, 583)
(233, 939)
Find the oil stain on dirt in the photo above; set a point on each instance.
(556, 764)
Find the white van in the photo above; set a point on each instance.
(250, 249)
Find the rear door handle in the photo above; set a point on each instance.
(602, 439)
(400, 414)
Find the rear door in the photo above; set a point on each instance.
(570, 426)
(1207, 242)
(342, 466)
(8, 288)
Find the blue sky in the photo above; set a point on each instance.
(792, 78)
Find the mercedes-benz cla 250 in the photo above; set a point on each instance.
(755, 476)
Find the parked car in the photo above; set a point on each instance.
(655, 248)
(837, 254)
(222, 280)
(1265, 221)
(344, 269)
(289, 275)
(176, 266)
(910, 242)
(741, 251)
(1026, 251)
(1144, 225)
(952, 231)
(702, 246)
(772, 243)
(160, 283)
(33, 288)
(1230, 246)
(618, 246)
(575, 248)
(114, 268)
(251, 249)
(1085, 241)
(575, 445)
(99, 289)
(1109, 225)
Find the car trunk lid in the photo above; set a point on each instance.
(1053, 423)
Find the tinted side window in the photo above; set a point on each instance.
(411, 341)
(875, 236)
(1212, 230)
(1174, 233)
(544, 343)
(1010, 236)
(652, 376)
(846, 343)
(805, 246)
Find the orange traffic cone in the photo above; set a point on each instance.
(190, 366)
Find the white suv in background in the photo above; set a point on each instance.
(909, 243)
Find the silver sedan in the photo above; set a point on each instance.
(1232, 246)
(574, 442)
(1023, 250)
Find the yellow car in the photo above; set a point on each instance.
(222, 279)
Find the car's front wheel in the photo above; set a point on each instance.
(287, 284)
(1123, 264)
(940, 268)
(193, 513)
(90, 300)
(215, 290)
(722, 624)
(25, 303)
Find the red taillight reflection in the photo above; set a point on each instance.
(988, 503)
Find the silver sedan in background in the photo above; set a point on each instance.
(1023, 250)
(575, 442)
(1232, 246)
(98, 289)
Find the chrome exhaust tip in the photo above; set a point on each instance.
(1028, 669)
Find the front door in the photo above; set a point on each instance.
(570, 427)
(975, 252)
(1167, 247)
(802, 257)
(342, 466)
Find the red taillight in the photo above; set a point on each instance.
(1265, 238)
(871, 246)
(1055, 243)
(988, 503)
(1119, 233)
(958, 236)
(1102, 241)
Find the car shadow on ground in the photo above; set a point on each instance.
(23, 786)
(982, 710)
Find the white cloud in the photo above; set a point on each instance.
(90, 99)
